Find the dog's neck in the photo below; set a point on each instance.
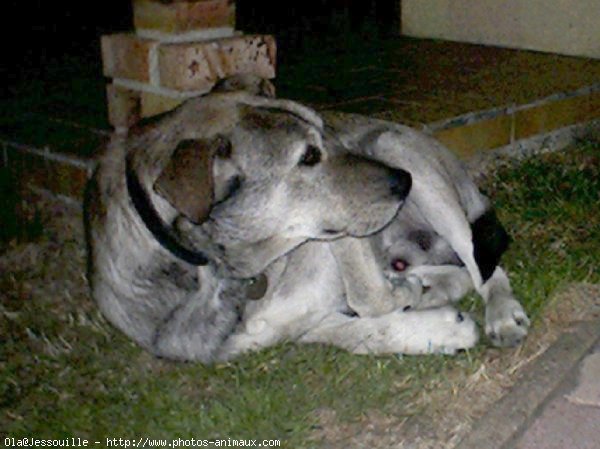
(155, 224)
(255, 288)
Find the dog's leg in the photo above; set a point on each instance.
(304, 286)
(442, 330)
(368, 292)
(506, 322)
(197, 328)
(444, 284)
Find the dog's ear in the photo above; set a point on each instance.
(187, 180)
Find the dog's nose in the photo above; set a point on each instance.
(400, 183)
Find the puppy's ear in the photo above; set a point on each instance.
(252, 84)
(187, 180)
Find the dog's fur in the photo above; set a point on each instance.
(234, 197)
(445, 223)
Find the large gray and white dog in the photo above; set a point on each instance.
(238, 221)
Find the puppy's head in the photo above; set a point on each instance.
(246, 82)
(245, 179)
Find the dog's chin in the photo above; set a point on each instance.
(244, 265)
(245, 272)
(250, 260)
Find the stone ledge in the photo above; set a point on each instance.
(477, 131)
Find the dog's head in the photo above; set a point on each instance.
(245, 179)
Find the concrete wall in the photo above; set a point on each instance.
(569, 27)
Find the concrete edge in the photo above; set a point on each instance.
(487, 114)
(483, 161)
(508, 418)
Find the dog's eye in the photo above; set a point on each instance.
(311, 156)
(224, 149)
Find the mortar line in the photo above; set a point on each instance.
(46, 153)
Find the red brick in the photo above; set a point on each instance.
(155, 103)
(197, 65)
(126, 56)
(123, 106)
(65, 179)
(182, 16)
(35, 170)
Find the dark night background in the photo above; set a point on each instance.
(52, 68)
(45, 32)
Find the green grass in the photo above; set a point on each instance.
(64, 371)
(550, 207)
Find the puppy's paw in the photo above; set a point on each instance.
(434, 297)
(506, 323)
(407, 294)
(442, 284)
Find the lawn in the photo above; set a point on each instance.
(64, 371)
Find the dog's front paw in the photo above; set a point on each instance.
(456, 331)
(440, 331)
(506, 322)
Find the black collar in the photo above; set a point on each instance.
(161, 232)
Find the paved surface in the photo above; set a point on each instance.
(412, 81)
(571, 418)
(556, 405)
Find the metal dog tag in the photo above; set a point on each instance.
(257, 287)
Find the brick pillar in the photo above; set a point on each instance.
(178, 50)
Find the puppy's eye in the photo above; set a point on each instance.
(311, 156)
